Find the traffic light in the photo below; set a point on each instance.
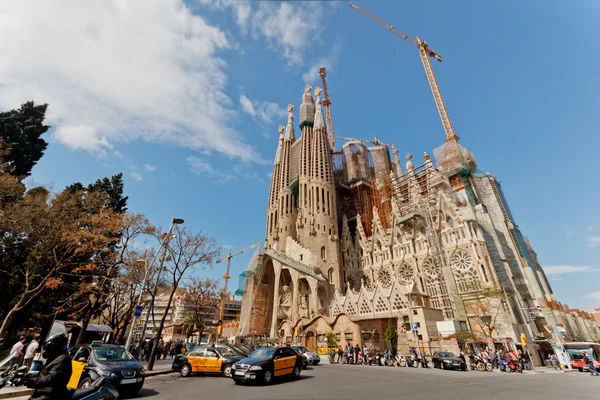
(297, 331)
(523, 339)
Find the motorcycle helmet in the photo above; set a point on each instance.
(55, 345)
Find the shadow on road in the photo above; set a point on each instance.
(277, 382)
(143, 393)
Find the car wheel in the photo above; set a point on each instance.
(442, 366)
(85, 382)
(296, 372)
(226, 371)
(580, 369)
(186, 370)
(268, 377)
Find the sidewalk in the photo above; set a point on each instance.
(160, 367)
(15, 393)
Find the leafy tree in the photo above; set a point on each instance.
(21, 144)
(187, 251)
(331, 339)
(391, 336)
(203, 297)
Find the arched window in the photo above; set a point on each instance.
(464, 272)
(323, 253)
(330, 275)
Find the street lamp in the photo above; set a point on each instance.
(165, 243)
(139, 301)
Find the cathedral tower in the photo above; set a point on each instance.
(272, 209)
(317, 213)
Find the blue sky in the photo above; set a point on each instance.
(185, 99)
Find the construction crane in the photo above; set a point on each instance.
(226, 279)
(327, 104)
(425, 52)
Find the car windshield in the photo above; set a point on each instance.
(111, 353)
(226, 351)
(241, 350)
(448, 355)
(300, 349)
(262, 353)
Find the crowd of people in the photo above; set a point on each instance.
(144, 350)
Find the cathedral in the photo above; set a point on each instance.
(355, 240)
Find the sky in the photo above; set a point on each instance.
(184, 98)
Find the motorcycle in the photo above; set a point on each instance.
(388, 360)
(477, 362)
(98, 390)
(400, 360)
(332, 357)
(411, 361)
(515, 366)
(424, 363)
(360, 359)
(378, 359)
(504, 365)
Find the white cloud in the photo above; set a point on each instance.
(592, 227)
(136, 176)
(264, 111)
(149, 168)
(593, 241)
(570, 234)
(593, 296)
(565, 269)
(329, 62)
(114, 71)
(201, 167)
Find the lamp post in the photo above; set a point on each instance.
(139, 301)
(165, 244)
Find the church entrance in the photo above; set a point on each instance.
(311, 341)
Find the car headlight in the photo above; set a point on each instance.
(107, 373)
(256, 368)
(447, 361)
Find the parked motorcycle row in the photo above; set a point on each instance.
(506, 364)
(98, 390)
(373, 357)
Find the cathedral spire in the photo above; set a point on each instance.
(319, 120)
(289, 131)
(307, 108)
(278, 152)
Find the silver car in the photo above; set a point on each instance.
(311, 358)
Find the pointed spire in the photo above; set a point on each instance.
(319, 120)
(278, 152)
(428, 162)
(307, 108)
(289, 131)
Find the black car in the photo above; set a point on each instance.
(206, 359)
(228, 350)
(266, 364)
(448, 360)
(121, 369)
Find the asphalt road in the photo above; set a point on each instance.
(351, 382)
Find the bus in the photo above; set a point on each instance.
(575, 352)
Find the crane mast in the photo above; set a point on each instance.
(425, 52)
(327, 103)
(225, 280)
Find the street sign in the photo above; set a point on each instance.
(415, 326)
(138, 311)
(523, 339)
(560, 329)
(220, 322)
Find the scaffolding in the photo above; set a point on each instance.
(451, 156)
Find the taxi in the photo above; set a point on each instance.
(206, 359)
(92, 361)
(267, 363)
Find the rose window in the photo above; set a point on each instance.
(385, 278)
(464, 271)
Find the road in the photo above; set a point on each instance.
(351, 382)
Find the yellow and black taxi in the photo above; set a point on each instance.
(267, 363)
(206, 359)
(117, 365)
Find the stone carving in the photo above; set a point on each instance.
(303, 303)
(285, 302)
(317, 91)
(313, 230)
(281, 128)
(290, 109)
(307, 88)
(299, 220)
(333, 237)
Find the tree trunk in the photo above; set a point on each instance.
(159, 331)
(10, 317)
(200, 332)
(84, 325)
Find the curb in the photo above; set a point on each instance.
(17, 393)
(154, 373)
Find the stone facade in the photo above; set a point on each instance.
(354, 240)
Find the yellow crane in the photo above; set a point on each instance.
(425, 52)
(327, 104)
(226, 279)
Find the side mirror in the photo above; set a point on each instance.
(82, 359)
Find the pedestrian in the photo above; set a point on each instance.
(31, 351)
(350, 351)
(356, 351)
(590, 363)
(165, 351)
(340, 354)
(554, 361)
(16, 352)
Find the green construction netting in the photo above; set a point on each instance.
(242, 283)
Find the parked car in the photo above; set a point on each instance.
(205, 359)
(266, 364)
(311, 358)
(115, 363)
(448, 360)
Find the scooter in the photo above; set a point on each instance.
(400, 360)
(332, 357)
(424, 363)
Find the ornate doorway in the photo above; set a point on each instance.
(311, 341)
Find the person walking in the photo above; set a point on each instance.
(590, 364)
(16, 352)
(31, 351)
(554, 361)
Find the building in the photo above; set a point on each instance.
(354, 239)
(178, 311)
